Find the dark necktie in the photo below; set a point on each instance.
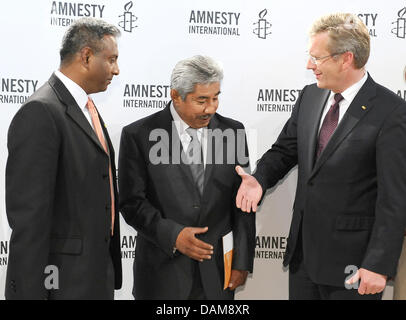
(329, 123)
(194, 156)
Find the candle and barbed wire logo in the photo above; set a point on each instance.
(263, 26)
(400, 24)
(128, 18)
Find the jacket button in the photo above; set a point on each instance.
(310, 183)
(105, 176)
(108, 207)
(195, 206)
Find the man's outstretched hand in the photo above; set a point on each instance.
(249, 193)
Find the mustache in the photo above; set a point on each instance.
(204, 117)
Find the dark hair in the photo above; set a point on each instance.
(85, 32)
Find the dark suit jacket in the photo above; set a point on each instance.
(159, 200)
(58, 200)
(351, 202)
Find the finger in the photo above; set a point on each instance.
(244, 204)
(234, 283)
(232, 286)
(375, 289)
(254, 206)
(380, 289)
(353, 279)
(199, 244)
(240, 171)
(200, 247)
(200, 257)
(362, 288)
(200, 230)
(238, 199)
(198, 254)
(248, 205)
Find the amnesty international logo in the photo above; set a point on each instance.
(263, 26)
(270, 247)
(128, 18)
(3, 253)
(400, 24)
(402, 92)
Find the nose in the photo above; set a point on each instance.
(211, 106)
(310, 65)
(116, 69)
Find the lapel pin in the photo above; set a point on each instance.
(364, 108)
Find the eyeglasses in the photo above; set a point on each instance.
(317, 61)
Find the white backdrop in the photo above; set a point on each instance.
(261, 45)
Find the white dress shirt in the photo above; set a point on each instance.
(348, 95)
(184, 137)
(77, 93)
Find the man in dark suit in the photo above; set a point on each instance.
(61, 194)
(177, 189)
(347, 135)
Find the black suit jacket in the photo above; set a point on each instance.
(58, 200)
(159, 200)
(351, 202)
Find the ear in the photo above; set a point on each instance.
(348, 60)
(175, 96)
(85, 55)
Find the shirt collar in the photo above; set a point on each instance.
(74, 89)
(350, 93)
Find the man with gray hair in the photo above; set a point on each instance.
(61, 195)
(347, 135)
(180, 198)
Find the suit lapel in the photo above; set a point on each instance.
(350, 119)
(212, 150)
(174, 145)
(107, 137)
(72, 109)
(313, 116)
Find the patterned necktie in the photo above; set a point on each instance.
(194, 156)
(99, 132)
(329, 123)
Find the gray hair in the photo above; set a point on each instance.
(85, 32)
(195, 70)
(346, 33)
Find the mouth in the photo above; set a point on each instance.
(205, 117)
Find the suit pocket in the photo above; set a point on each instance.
(71, 246)
(354, 223)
